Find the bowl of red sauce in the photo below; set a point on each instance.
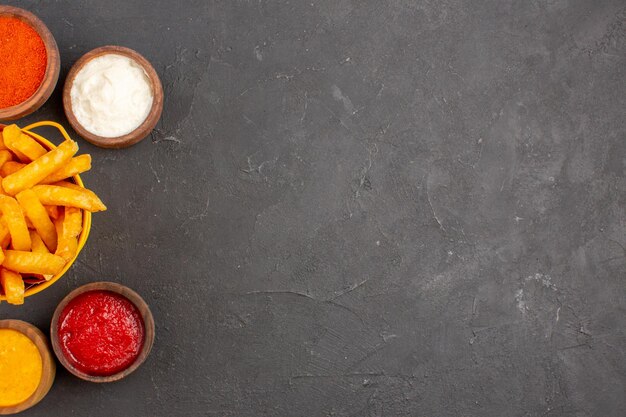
(30, 63)
(102, 332)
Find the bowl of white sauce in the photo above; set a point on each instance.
(113, 97)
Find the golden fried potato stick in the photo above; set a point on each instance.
(5, 156)
(32, 262)
(68, 228)
(39, 247)
(10, 167)
(2, 145)
(13, 286)
(77, 187)
(38, 216)
(8, 135)
(21, 143)
(72, 221)
(53, 212)
(75, 166)
(23, 158)
(55, 195)
(29, 224)
(29, 147)
(67, 248)
(40, 168)
(37, 243)
(5, 236)
(73, 186)
(15, 221)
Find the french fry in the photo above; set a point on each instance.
(2, 145)
(10, 167)
(77, 187)
(53, 212)
(13, 286)
(72, 221)
(23, 158)
(15, 221)
(75, 166)
(68, 228)
(56, 195)
(5, 156)
(37, 243)
(29, 147)
(39, 247)
(29, 224)
(32, 262)
(5, 236)
(9, 133)
(73, 186)
(40, 168)
(24, 144)
(38, 216)
(67, 248)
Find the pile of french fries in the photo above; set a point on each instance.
(42, 211)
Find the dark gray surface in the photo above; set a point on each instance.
(403, 208)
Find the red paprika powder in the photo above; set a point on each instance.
(23, 61)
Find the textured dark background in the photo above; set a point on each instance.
(362, 208)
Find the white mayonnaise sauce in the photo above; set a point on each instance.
(111, 95)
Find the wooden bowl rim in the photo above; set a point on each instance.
(129, 294)
(48, 364)
(144, 129)
(53, 66)
(82, 238)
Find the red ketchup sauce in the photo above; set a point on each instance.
(100, 332)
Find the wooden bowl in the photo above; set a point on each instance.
(82, 238)
(48, 369)
(53, 66)
(129, 294)
(140, 132)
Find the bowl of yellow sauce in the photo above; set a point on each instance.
(27, 369)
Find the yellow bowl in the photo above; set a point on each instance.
(84, 234)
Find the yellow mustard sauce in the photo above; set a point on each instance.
(20, 367)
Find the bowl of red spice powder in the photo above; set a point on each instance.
(30, 63)
(102, 332)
